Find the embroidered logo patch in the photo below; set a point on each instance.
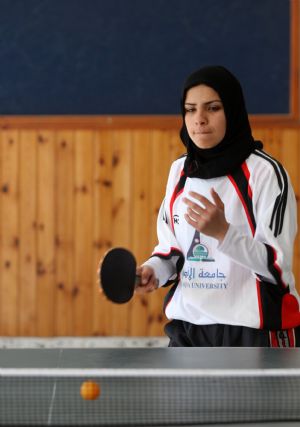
(198, 251)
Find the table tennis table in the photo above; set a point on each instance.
(151, 386)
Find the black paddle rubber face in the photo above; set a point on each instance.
(118, 275)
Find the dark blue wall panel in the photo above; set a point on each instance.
(131, 56)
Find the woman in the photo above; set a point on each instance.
(226, 228)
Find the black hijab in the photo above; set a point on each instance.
(238, 142)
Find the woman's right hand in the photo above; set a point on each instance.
(148, 281)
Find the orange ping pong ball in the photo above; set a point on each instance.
(89, 390)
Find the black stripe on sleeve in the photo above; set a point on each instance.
(242, 184)
(277, 217)
(271, 266)
(179, 262)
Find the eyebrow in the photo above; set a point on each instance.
(205, 103)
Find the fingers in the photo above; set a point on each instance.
(207, 204)
(209, 218)
(99, 277)
(196, 213)
(192, 222)
(216, 198)
(145, 274)
(148, 281)
(149, 287)
(204, 201)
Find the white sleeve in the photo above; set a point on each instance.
(164, 269)
(270, 252)
(167, 258)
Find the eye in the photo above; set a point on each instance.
(189, 109)
(214, 107)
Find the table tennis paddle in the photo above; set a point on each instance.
(117, 274)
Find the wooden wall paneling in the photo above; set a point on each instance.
(162, 156)
(28, 226)
(122, 205)
(177, 148)
(103, 225)
(69, 195)
(83, 232)
(64, 233)
(141, 222)
(45, 229)
(2, 252)
(141, 193)
(261, 134)
(272, 142)
(271, 139)
(161, 147)
(294, 57)
(296, 265)
(9, 233)
(290, 156)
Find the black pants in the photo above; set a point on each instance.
(184, 334)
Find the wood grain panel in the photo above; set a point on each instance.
(103, 224)
(67, 196)
(83, 231)
(290, 157)
(162, 154)
(121, 213)
(64, 233)
(10, 238)
(28, 233)
(141, 221)
(45, 232)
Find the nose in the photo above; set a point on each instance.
(201, 118)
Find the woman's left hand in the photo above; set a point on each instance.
(209, 219)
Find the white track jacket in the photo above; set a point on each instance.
(246, 280)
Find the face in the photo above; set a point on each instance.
(204, 116)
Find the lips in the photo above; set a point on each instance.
(202, 132)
